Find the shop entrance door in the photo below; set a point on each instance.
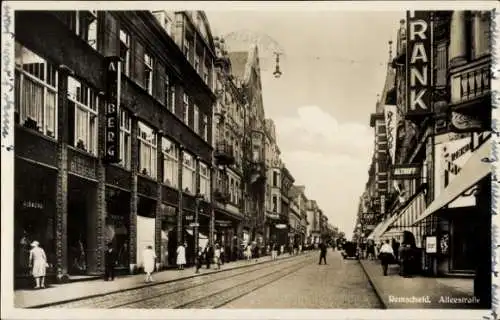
(81, 230)
(463, 242)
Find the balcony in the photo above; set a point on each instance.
(224, 154)
(471, 84)
(221, 196)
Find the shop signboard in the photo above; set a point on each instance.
(406, 171)
(113, 91)
(419, 62)
(431, 244)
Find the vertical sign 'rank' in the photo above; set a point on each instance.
(113, 83)
(418, 62)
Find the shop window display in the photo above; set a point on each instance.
(117, 225)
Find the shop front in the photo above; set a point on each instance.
(117, 225)
(168, 236)
(146, 214)
(34, 216)
(460, 240)
(83, 249)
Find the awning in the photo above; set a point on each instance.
(408, 214)
(472, 172)
(381, 227)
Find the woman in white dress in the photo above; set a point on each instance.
(38, 262)
(181, 256)
(148, 259)
(217, 255)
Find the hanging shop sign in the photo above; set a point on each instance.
(419, 62)
(406, 171)
(113, 88)
(223, 223)
(272, 215)
(281, 226)
(391, 124)
(431, 244)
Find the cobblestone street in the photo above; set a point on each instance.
(341, 284)
(297, 282)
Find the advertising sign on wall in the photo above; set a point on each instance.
(431, 244)
(113, 86)
(406, 171)
(391, 116)
(418, 62)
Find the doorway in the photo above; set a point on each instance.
(463, 244)
(81, 231)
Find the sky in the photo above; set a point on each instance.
(334, 65)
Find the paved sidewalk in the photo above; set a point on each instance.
(55, 293)
(419, 292)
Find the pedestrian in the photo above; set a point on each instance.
(386, 256)
(395, 248)
(110, 260)
(148, 261)
(38, 264)
(181, 256)
(209, 255)
(300, 248)
(199, 260)
(322, 255)
(217, 255)
(222, 255)
(274, 251)
(248, 252)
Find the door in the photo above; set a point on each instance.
(463, 242)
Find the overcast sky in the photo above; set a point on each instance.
(333, 65)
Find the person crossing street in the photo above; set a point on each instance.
(323, 249)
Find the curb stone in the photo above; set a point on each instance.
(377, 290)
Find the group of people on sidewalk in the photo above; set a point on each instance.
(405, 255)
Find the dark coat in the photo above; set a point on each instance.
(110, 258)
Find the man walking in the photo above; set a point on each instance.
(110, 261)
(322, 256)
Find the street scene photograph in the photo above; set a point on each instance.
(208, 158)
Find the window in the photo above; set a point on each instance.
(169, 94)
(186, 49)
(206, 72)
(125, 52)
(83, 106)
(275, 179)
(148, 73)
(237, 193)
(84, 24)
(196, 118)
(35, 92)
(197, 66)
(205, 127)
(275, 203)
(170, 163)
(147, 150)
(205, 181)
(185, 111)
(125, 139)
(231, 190)
(188, 173)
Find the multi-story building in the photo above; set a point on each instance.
(294, 217)
(113, 126)
(280, 231)
(273, 181)
(229, 133)
(303, 201)
(246, 70)
(313, 213)
(442, 143)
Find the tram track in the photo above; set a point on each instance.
(183, 288)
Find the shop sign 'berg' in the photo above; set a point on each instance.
(419, 62)
(113, 75)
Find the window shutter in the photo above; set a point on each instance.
(110, 36)
(139, 63)
(159, 82)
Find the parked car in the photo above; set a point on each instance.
(350, 250)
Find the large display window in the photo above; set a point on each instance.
(118, 224)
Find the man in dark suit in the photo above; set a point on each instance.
(322, 256)
(110, 262)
